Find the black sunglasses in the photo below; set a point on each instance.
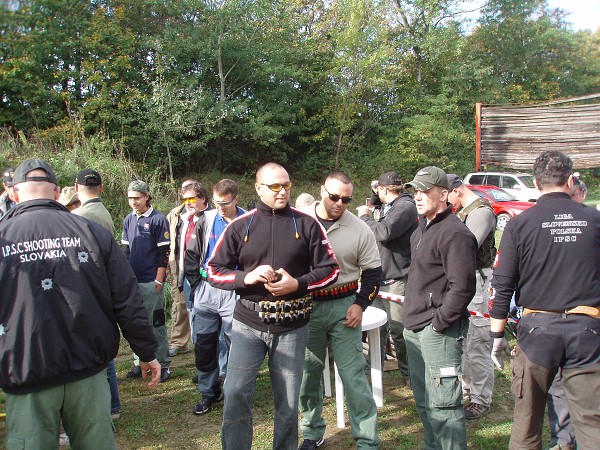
(336, 198)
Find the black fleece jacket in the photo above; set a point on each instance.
(283, 238)
(441, 279)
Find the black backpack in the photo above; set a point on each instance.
(486, 254)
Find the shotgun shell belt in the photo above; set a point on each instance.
(334, 293)
(281, 311)
(591, 311)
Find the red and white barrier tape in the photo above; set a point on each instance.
(400, 299)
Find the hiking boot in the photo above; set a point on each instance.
(206, 405)
(165, 374)
(136, 372)
(475, 410)
(310, 444)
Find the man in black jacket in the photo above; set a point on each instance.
(549, 258)
(66, 285)
(397, 221)
(274, 257)
(441, 283)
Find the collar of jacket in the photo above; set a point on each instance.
(266, 210)
(31, 205)
(438, 218)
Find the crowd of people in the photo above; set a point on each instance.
(292, 283)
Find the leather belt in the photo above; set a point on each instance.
(591, 311)
(334, 293)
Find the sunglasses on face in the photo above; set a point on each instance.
(224, 203)
(277, 187)
(190, 201)
(336, 198)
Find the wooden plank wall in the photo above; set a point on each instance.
(513, 136)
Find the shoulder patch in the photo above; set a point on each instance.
(166, 235)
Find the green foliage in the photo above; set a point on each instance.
(68, 151)
(193, 86)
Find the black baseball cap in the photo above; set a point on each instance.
(389, 179)
(89, 177)
(27, 166)
(454, 181)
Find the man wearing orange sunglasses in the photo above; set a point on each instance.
(274, 257)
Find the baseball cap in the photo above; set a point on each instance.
(429, 177)
(454, 181)
(7, 176)
(139, 186)
(389, 179)
(68, 195)
(89, 177)
(20, 175)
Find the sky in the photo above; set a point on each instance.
(585, 14)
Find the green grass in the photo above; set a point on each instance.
(161, 418)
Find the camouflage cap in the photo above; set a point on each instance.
(139, 186)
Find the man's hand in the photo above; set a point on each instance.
(354, 316)
(499, 349)
(286, 285)
(261, 274)
(362, 210)
(158, 287)
(152, 366)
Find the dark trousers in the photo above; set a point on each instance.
(546, 343)
(561, 427)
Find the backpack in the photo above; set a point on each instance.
(486, 253)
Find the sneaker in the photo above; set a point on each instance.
(310, 444)
(136, 372)
(174, 351)
(63, 440)
(114, 415)
(475, 410)
(206, 405)
(165, 374)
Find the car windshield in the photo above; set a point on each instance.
(500, 195)
(527, 180)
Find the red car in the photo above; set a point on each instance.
(505, 206)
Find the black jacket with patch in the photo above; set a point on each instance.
(65, 286)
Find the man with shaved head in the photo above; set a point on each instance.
(274, 257)
(337, 318)
(67, 288)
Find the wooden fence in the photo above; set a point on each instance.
(513, 136)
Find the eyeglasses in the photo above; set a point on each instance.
(190, 201)
(224, 203)
(336, 198)
(277, 187)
